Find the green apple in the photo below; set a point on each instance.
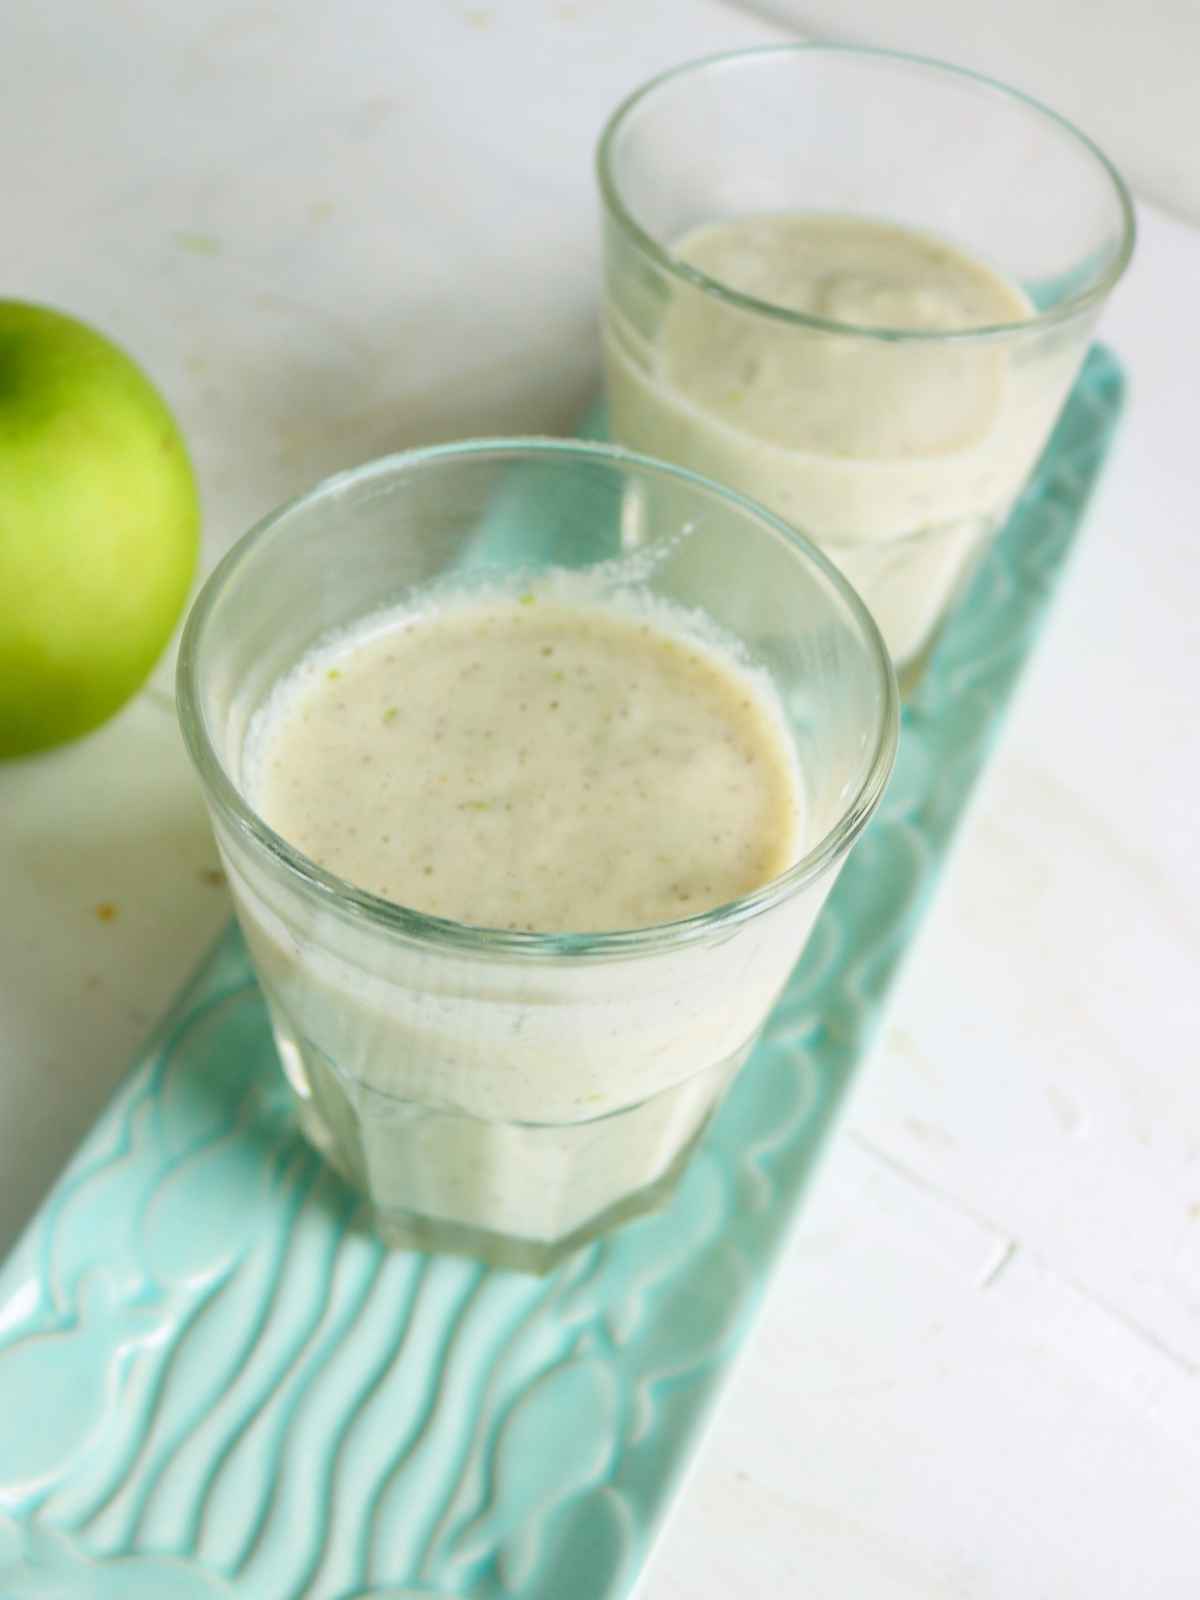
(99, 524)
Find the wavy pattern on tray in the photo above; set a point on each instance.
(215, 1382)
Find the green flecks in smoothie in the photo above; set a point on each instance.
(333, 674)
(552, 767)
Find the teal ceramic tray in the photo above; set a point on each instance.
(215, 1382)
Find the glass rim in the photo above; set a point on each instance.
(684, 271)
(390, 916)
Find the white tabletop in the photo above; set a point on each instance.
(330, 230)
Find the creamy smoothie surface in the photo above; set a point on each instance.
(898, 455)
(533, 765)
(857, 273)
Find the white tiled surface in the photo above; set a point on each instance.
(1125, 70)
(330, 229)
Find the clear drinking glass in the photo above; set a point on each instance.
(899, 451)
(510, 1094)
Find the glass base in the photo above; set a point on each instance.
(435, 1178)
(404, 1230)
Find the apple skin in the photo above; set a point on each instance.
(99, 527)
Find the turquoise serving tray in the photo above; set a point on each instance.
(215, 1382)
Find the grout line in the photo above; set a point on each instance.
(910, 1176)
(1008, 1250)
(777, 17)
(1131, 1325)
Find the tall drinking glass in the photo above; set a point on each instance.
(898, 445)
(509, 1094)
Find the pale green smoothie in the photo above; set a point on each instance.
(531, 766)
(522, 764)
(898, 455)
